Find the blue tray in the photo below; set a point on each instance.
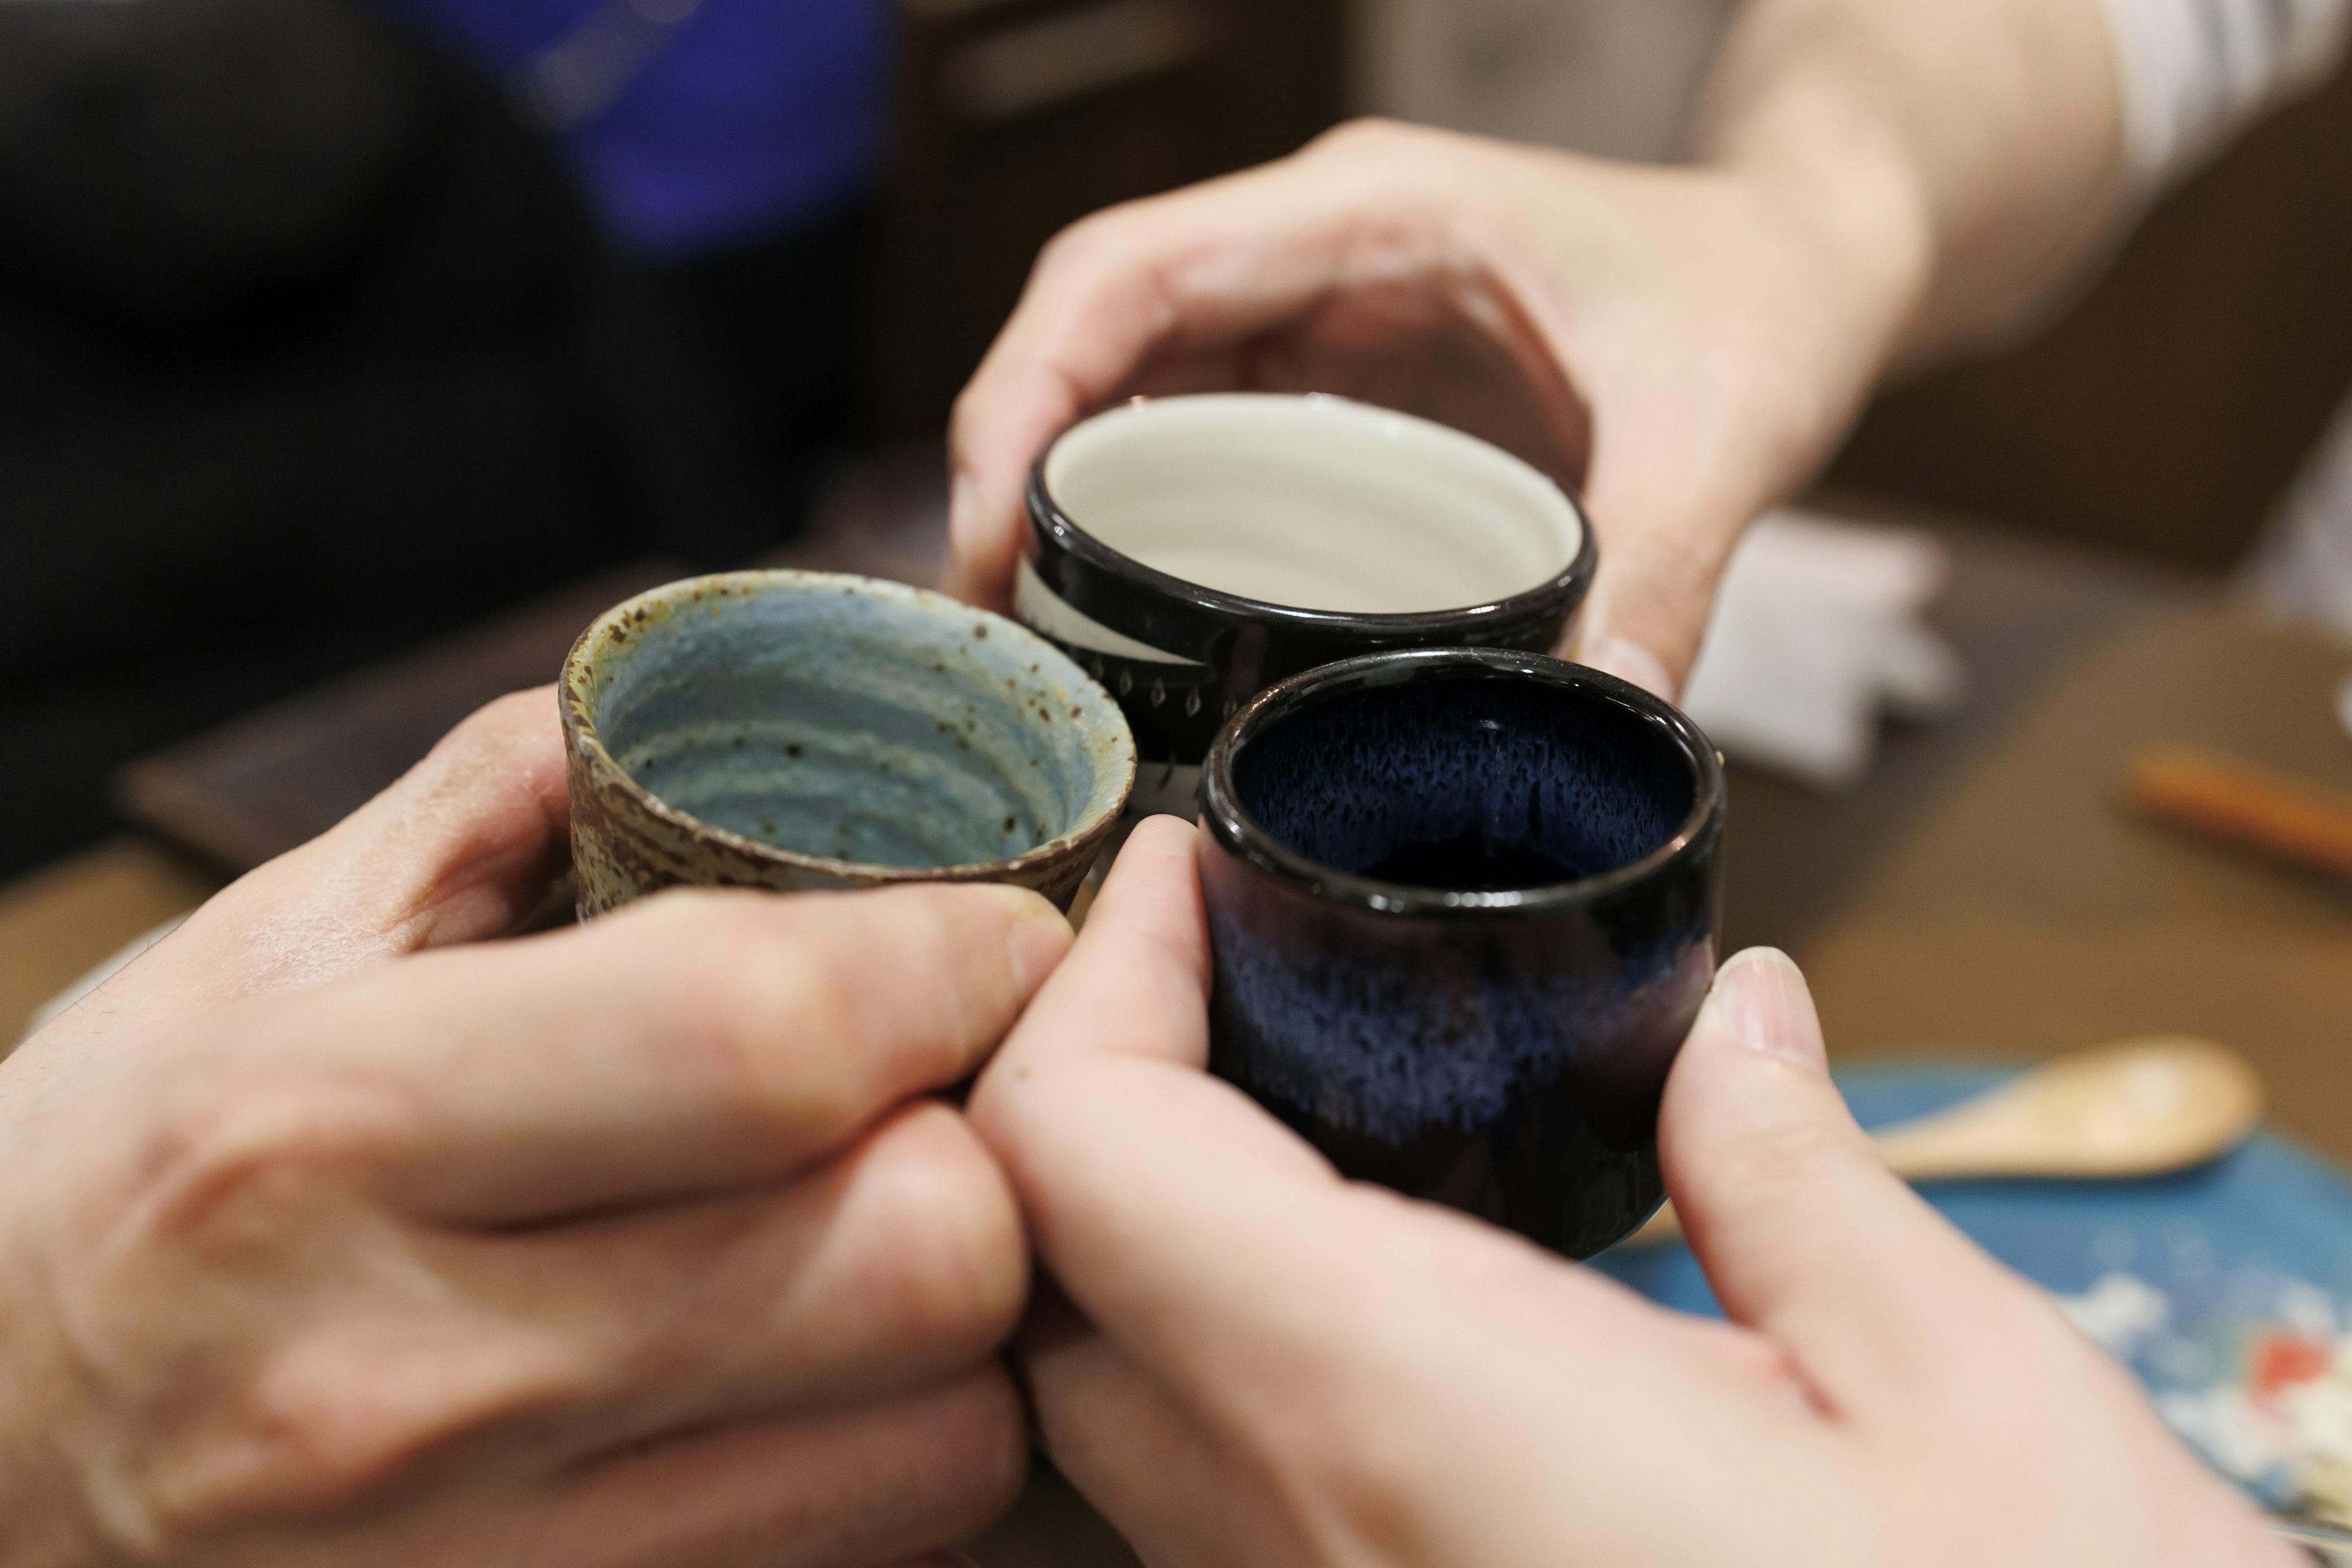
(2180, 1276)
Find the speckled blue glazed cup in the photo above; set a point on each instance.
(1463, 905)
(804, 730)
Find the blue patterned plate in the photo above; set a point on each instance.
(2218, 1287)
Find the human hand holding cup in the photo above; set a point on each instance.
(335, 1233)
(1462, 895)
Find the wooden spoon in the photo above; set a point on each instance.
(2135, 1108)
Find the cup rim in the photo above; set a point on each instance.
(581, 735)
(1242, 834)
(1571, 581)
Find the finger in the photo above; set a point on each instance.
(1144, 1461)
(1104, 295)
(1650, 605)
(464, 846)
(1663, 552)
(1207, 265)
(894, 1266)
(1151, 903)
(1288, 1316)
(1801, 1229)
(696, 1041)
(1690, 450)
(1219, 1251)
(878, 1484)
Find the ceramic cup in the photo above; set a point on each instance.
(1463, 905)
(1190, 552)
(800, 730)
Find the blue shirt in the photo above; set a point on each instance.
(745, 118)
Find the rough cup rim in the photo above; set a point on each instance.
(581, 734)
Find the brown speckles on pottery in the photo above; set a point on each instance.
(813, 731)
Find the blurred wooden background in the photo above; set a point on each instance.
(2160, 413)
(2166, 412)
(1018, 117)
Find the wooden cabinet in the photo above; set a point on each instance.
(1017, 117)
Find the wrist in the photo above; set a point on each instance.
(1842, 177)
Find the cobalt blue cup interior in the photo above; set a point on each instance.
(1463, 907)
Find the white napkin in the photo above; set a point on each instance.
(1819, 629)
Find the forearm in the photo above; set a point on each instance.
(1974, 145)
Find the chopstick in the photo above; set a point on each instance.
(2258, 808)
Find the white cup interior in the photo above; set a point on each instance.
(1315, 504)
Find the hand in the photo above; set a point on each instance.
(469, 846)
(1688, 344)
(628, 1245)
(1265, 1364)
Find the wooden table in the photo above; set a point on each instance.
(2030, 915)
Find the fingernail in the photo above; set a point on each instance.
(1629, 660)
(1038, 935)
(1761, 1001)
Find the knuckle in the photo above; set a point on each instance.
(794, 1007)
(328, 1419)
(327, 1427)
(1369, 135)
(765, 1010)
(1785, 1155)
(505, 722)
(959, 938)
(940, 925)
(1074, 242)
(230, 1199)
(955, 1263)
(1105, 241)
(500, 739)
(239, 1147)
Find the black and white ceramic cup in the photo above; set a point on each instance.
(1462, 906)
(1191, 552)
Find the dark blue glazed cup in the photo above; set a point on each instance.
(1463, 904)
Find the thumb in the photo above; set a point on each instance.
(467, 845)
(1802, 1231)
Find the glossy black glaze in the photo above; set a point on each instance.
(1226, 648)
(1499, 1049)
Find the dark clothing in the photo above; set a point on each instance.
(309, 351)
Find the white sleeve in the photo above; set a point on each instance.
(2196, 70)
